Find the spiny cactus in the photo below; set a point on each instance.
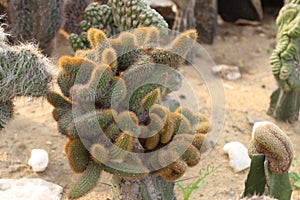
(22, 73)
(285, 101)
(112, 105)
(32, 20)
(115, 17)
(272, 154)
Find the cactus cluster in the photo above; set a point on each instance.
(285, 101)
(113, 112)
(115, 17)
(33, 20)
(22, 73)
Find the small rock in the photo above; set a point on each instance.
(29, 189)
(38, 160)
(227, 72)
(238, 155)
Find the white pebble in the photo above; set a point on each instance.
(238, 156)
(38, 160)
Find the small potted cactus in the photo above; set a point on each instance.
(115, 111)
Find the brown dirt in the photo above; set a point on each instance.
(248, 47)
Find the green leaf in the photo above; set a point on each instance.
(280, 186)
(297, 184)
(256, 181)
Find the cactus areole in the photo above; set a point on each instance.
(115, 111)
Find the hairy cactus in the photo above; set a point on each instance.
(22, 73)
(285, 101)
(115, 17)
(33, 20)
(272, 154)
(112, 103)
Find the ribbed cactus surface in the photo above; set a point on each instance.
(116, 16)
(285, 62)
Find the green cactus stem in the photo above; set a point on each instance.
(285, 101)
(115, 17)
(111, 110)
(23, 72)
(27, 21)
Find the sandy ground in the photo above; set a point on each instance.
(248, 47)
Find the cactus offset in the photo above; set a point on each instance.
(115, 17)
(112, 99)
(285, 101)
(27, 21)
(23, 72)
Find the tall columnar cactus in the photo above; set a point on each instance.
(285, 61)
(272, 154)
(22, 73)
(115, 17)
(113, 112)
(35, 20)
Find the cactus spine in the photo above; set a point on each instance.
(22, 73)
(112, 102)
(35, 20)
(285, 101)
(115, 17)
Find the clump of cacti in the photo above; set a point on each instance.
(271, 151)
(22, 73)
(34, 20)
(115, 17)
(285, 101)
(114, 112)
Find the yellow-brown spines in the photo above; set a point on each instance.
(192, 118)
(161, 111)
(150, 99)
(140, 35)
(87, 181)
(124, 143)
(77, 154)
(184, 42)
(187, 152)
(99, 153)
(152, 37)
(204, 124)
(128, 121)
(109, 57)
(174, 171)
(96, 37)
(152, 141)
(58, 101)
(70, 66)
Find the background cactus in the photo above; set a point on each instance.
(115, 17)
(272, 154)
(22, 73)
(73, 14)
(32, 20)
(113, 100)
(285, 101)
